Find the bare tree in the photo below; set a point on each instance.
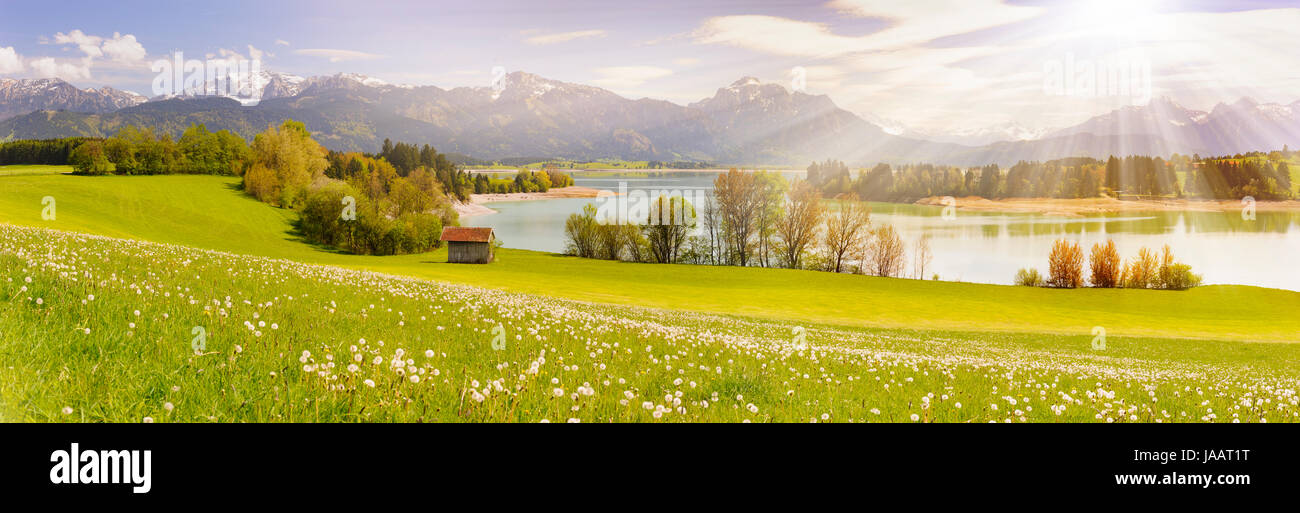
(922, 256)
(847, 231)
(771, 194)
(798, 227)
(712, 228)
(887, 252)
(738, 198)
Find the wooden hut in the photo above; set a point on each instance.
(467, 245)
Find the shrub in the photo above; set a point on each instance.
(1175, 275)
(1065, 265)
(1140, 273)
(1180, 277)
(1106, 265)
(581, 233)
(1027, 277)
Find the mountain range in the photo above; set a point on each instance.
(746, 123)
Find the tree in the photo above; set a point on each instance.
(771, 193)
(922, 256)
(580, 231)
(610, 241)
(670, 222)
(989, 178)
(1065, 265)
(847, 231)
(284, 162)
(1105, 264)
(798, 227)
(1112, 174)
(88, 159)
(887, 252)
(738, 195)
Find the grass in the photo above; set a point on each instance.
(106, 329)
(33, 170)
(211, 212)
(100, 329)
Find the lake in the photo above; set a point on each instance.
(983, 247)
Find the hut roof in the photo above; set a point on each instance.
(466, 234)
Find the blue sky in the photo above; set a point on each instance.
(933, 64)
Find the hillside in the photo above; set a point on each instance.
(212, 213)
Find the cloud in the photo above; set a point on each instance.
(563, 37)
(628, 76)
(336, 55)
(254, 53)
(911, 23)
(921, 21)
(124, 49)
(86, 43)
(47, 67)
(686, 61)
(281, 42)
(121, 51)
(10, 62)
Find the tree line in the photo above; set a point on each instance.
(1262, 176)
(52, 152)
(525, 180)
(753, 219)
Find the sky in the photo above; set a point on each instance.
(933, 65)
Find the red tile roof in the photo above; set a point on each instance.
(466, 234)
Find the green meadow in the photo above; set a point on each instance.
(108, 329)
(212, 213)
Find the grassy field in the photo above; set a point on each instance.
(99, 329)
(211, 212)
(105, 329)
(33, 170)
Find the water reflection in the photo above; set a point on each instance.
(985, 247)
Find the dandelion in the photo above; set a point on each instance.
(67, 410)
(147, 420)
(168, 406)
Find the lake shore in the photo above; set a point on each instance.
(1093, 206)
(475, 206)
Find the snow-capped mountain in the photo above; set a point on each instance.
(746, 122)
(19, 97)
(975, 136)
(1242, 126)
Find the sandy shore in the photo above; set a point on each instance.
(562, 192)
(1082, 207)
(475, 205)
